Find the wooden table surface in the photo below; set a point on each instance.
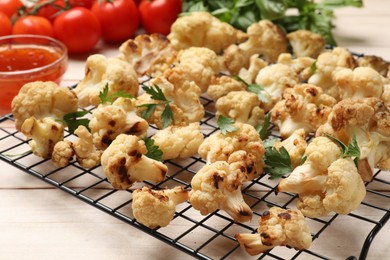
(38, 221)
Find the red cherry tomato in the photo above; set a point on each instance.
(78, 28)
(157, 16)
(31, 24)
(10, 7)
(50, 9)
(6, 26)
(118, 19)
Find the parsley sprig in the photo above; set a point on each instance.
(226, 125)
(264, 130)
(154, 151)
(75, 119)
(352, 150)
(277, 162)
(110, 98)
(254, 88)
(156, 93)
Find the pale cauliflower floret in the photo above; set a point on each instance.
(306, 43)
(120, 117)
(375, 62)
(181, 141)
(277, 227)
(241, 106)
(303, 106)
(302, 66)
(201, 29)
(156, 208)
(219, 147)
(45, 133)
(295, 145)
(359, 83)
(148, 54)
(327, 63)
(223, 85)
(62, 153)
(100, 71)
(42, 99)
(275, 79)
(255, 65)
(386, 94)
(218, 186)
(124, 162)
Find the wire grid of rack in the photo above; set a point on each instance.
(216, 230)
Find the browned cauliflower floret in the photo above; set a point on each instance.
(148, 54)
(302, 66)
(328, 63)
(295, 145)
(306, 43)
(62, 153)
(255, 65)
(156, 208)
(100, 71)
(368, 119)
(241, 106)
(375, 62)
(42, 99)
(275, 79)
(120, 117)
(124, 162)
(359, 83)
(303, 106)
(277, 227)
(183, 96)
(219, 147)
(325, 182)
(181, 141)
(201, 29)
(222, 85)
(218, 186)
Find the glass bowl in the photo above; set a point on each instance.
(26, 58)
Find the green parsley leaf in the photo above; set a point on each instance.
(313, 68)
(278, 162)
(254, 88)
(75, 119)
(352, 150)
(106, 98)
(264, 130)
(146, 113)
(154, 151)
(155, 92)
(226, 125)
(167, 116)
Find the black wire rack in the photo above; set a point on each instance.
(203, 237)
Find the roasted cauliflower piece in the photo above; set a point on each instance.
(375, 62)
(222, 85)
(120, 117)
(124, 162)
(148, 54)
(255, 65)
(156, 208)
(304, 106)
(295, 145)
(100, 71)
(218, 186)
(277, 227)
(201, 29)
(306, 43)
(180, 141)
(302, 66)
(241, 106)
(219, 147)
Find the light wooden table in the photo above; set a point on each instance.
(38, 221)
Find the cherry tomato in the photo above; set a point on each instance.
(118, 19)
(6, 26)
(84, 3)
(10, 7)
(78, 28)
(50, 9)
(157, 16)
(31, 24)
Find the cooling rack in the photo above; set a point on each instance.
(203, 237)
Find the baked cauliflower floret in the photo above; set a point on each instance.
(277, 227)
(303, 106)
(86, 153)
(368, 119)
(222, 85)
(295, 145)
(328, 63)
(180, 141)
(218, 186)
(156, 208)
(255, 65)
(241, 106)
(45, 133)
(42, 99)
(219, 147)
(359, 83)
(375, 62)
(306, 43)
(201, 29)
(110, 120)
(302, 66)
(124, 162)
(100, 71)
(275, 79)
(148, 54)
